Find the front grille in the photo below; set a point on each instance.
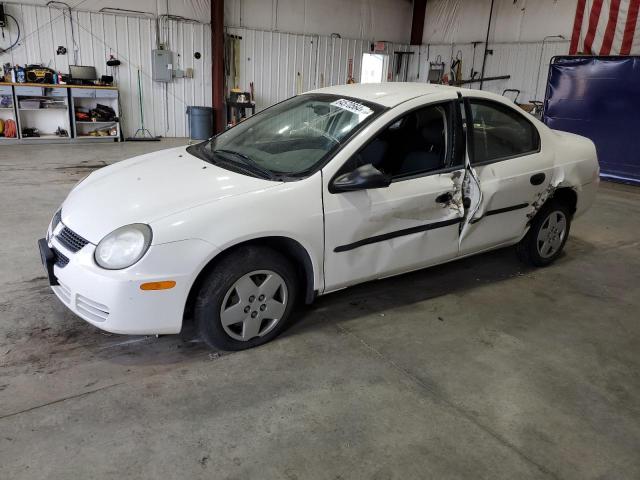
(71, 240)
(59, 259)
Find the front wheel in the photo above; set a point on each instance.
(246, 300)
(547, 235)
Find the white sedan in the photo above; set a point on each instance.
(322, 191)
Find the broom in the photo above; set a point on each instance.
(145, 135)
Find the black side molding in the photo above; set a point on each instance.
(501, 210)
(506, 209)
(397, 233)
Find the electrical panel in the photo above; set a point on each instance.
(161, 66)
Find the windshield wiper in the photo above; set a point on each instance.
(198, 150)
(248, 161)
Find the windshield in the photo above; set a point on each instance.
(291, 138)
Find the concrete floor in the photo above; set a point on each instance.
(476, 369)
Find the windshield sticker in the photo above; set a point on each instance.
(352, 107)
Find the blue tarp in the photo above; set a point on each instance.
(599, 98)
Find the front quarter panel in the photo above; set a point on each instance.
(292, 209)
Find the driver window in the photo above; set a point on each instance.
(416, 143)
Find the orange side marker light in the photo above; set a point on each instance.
(164, 285)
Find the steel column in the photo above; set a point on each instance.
(417, 21)
(217, 64)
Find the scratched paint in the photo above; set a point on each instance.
(456, 203)
(471, 190)
(541, 198)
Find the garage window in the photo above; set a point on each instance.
(499, 133)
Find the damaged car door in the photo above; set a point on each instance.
(509, 169)
(396, 205)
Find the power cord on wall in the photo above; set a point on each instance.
(10, 47)
(56, 5)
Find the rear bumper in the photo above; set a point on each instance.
(112, 299)
(586, 197)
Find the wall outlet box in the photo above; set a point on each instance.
(177, 73)
(188, 73)
(161, 65)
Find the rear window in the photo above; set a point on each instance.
(499, 132)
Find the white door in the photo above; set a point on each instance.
(511, 170)
(414, 221)
(373, 68)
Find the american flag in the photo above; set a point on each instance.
(606, 27)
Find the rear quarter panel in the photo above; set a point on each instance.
(576, 167)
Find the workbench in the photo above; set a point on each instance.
(237, 111)
(24, 102)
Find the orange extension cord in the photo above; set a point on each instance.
(10, 129)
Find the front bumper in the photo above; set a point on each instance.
(112, 299)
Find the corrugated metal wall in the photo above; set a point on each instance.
(282, 65)
(130, 39)
(520, 60)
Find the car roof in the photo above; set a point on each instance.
(390, 94)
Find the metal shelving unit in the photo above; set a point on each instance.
(51, 114)
(88, 99)
(7, 113)
(47, 107)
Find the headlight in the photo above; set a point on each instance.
(55, 221)
(123, 247)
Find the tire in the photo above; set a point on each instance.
(256, 286)
(532, 249)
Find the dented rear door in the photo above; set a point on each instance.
(511, 183)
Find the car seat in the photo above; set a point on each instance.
(427, 150)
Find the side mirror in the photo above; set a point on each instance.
(362, 178)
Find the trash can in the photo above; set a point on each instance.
(200, 122)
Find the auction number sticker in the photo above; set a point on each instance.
(352, 107)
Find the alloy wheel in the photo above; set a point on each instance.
(254, 305)
(551, 234)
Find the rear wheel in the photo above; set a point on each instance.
(547, 235)
(246, 300)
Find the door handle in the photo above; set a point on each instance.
(537, 179)
(444, 198)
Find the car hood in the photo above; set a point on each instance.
(146, 188)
